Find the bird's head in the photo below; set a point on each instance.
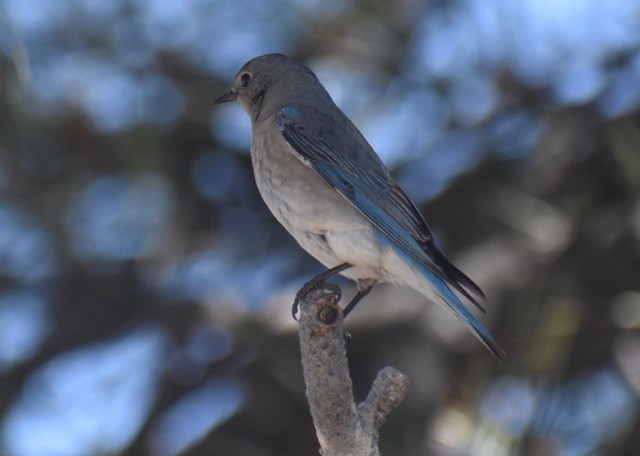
(271, 80)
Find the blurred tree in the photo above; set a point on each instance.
(145, 289)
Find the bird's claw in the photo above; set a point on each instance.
(312, 284)
(301, 294)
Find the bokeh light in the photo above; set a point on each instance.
(143, 283)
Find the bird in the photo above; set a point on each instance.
(326, 185)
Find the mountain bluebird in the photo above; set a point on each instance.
(326, 185)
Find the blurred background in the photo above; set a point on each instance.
(145, 289)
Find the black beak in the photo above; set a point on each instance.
(226, 98)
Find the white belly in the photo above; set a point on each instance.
(323, 222)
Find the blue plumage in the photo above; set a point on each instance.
(330, 190)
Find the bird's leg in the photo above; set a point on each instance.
(313, 283)
(364, 287)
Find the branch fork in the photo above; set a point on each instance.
(342, 427)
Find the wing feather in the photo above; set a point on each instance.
(369, 188)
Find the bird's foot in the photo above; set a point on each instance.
(315, 283)
(311, 285)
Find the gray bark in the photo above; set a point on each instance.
(343, 429)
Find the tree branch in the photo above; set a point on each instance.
(342, 427)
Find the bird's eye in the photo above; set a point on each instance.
(244, 79)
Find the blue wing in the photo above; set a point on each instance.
(335, 152)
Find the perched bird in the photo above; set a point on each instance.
(326, 185)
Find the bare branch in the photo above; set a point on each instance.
(341, 427)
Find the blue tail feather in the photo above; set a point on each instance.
(454, 303)
(463, 313)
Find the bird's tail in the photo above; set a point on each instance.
(453, 302)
